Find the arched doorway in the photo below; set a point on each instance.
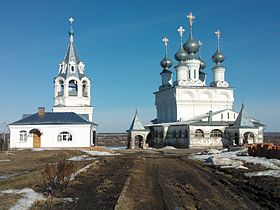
(150, 141)
(94, 142)
(36, 138)
(248, 138)
(138, 141)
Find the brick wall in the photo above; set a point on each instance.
(112, 139)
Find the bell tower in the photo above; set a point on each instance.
(71, 85)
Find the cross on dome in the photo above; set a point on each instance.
(71, 20)
(190, 17)
(218, 34)
(165, 41)
(181, 30)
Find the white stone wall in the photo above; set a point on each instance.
(185, 103)
(81, 134)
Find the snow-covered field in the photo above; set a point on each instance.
(236, 159)
(29, 196)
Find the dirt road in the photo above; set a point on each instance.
(168, 180)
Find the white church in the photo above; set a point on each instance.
(70, 124)
(191, 113)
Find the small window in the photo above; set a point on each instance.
(22, 136)
(199, 133)
(222, 116)
(64, 136)
(234, 116)
(228, 115)
(72, 68)
(216, 133)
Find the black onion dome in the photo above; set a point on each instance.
(191, 46)
(181, 55)
(166, 63)
(218, 57)
(202, 64)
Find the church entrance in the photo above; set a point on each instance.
(138, 141)
(36, 138)
(248, 138)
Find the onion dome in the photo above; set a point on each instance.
(218, 57)
(166, 62)
(181, 54)
(202, 64)
(191, 46)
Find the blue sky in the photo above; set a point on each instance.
(121, 45)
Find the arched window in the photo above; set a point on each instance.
(61, 88)
(73, 88)
(85, 89)
(199, 133)
(248, 138)
(216, 133)
(72, 69)
(64, 136)
(22, 136)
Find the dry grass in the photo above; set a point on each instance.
(10, 200)
(32, 162)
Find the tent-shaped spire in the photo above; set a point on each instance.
(71, 64)
(243, 119)
(136, 124)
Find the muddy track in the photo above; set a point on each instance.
(167, 180)
(172, 182)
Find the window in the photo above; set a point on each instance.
(64, 136)
(22, 136)
(72, 69)
(199, 133)
(216, 133)
(61, 88)
(85, 89)
(228, 115)
(222, 116)
(73, 88)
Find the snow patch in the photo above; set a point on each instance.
(29, 197)
(168, 147)
(81, 158)
(6, 160)
(6, 176)
(236, 159)
(274, 173)
(99, 153)
(84, 169)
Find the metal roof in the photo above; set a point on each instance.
(52, 118)
(136, 124)
(243, 119)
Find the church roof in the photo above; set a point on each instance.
(52, 118)
(136, 124)
(243, 119)
(71, 57)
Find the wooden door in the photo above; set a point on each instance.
(36, 141)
